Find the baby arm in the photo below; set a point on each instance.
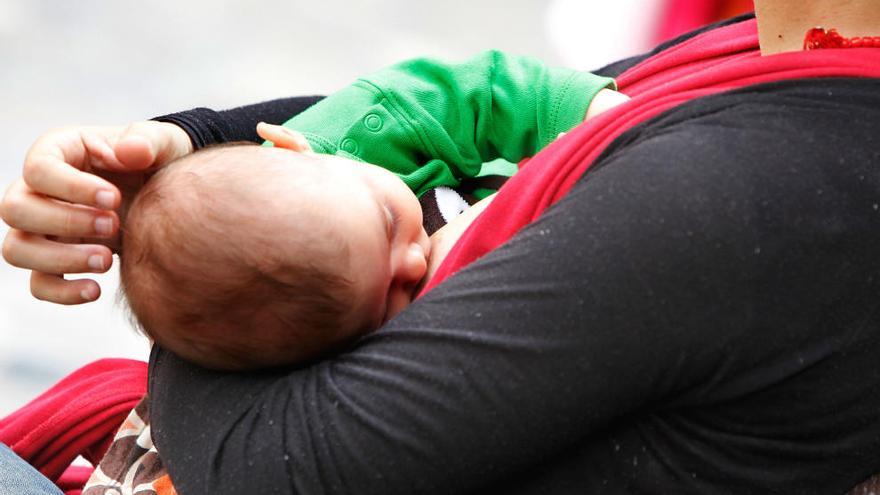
(435, 123)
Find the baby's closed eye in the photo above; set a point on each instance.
(391, 219)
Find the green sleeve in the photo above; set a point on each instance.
(435, 123)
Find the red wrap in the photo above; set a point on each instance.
(77, 416)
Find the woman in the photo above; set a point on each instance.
(695, 315)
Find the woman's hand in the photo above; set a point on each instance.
(66, 209)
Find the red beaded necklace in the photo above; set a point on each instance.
(818, 38)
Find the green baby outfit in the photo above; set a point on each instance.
(434, 123)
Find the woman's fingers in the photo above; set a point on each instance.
(135, 151)
(51, 176)
(53, 288)
(143, 145)
(58, 165)
(35, 252)
(49, 259)
(24, 210)
(73, 180)
(66, 164)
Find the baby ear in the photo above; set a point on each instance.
(282, 137)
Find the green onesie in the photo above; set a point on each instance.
(434, 123)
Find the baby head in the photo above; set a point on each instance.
(240, 257)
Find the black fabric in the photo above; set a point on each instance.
(698, 315)
(206, 127)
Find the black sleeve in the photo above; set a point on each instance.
(206, 126)
(688, 319)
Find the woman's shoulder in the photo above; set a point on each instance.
(778, 175)
(768, 129)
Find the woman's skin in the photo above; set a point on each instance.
(782, 24)
(65, 211)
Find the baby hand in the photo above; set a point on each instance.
(282, 137)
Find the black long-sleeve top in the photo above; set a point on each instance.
(698, 315)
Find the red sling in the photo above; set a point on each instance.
(77, 416)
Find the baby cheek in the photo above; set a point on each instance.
(370, 295)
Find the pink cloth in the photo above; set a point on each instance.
(73, 479)
(77, 416)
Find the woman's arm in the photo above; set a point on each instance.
(526, 353)
(602, 309)
(205, 126)
(66, 210)
(534, 349)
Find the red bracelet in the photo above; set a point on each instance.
(818, 38)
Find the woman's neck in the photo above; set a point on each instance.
(782, 24)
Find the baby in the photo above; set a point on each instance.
(242, 256)
(304, 251)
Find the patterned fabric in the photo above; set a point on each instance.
(131, 465)
(440, 206)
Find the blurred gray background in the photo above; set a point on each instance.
(112, 62)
